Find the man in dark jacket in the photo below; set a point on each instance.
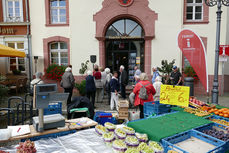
(68, 82)
(123, 80)
(90, 87)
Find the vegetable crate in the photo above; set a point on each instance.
(54, 108)
(226, 120)
(216, 126)
(102, 117)
(123, 106)
(193, 141)
(156, 108)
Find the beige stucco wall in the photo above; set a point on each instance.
(39, 31)
(169, 23)
(82, 31)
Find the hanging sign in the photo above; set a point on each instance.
(174, 95)
(224, 50)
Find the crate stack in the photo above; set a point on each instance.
(123, 106)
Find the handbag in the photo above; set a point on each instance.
(98, 83)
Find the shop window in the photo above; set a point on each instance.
(195, 11)
(57, 12)
(59, 53)
(13, 11)
(16, 62)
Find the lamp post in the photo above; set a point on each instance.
(219, 3)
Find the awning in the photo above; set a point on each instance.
(10, 52)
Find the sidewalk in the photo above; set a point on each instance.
(223, 100)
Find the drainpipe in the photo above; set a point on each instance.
(29, 41)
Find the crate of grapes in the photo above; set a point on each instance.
(215, 130)
(193, 141)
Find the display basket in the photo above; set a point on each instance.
(155, 108)
(54, 108)
(217, 117)
(193, 141)
(216, 126)
(102, 117)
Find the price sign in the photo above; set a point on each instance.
(174, 95)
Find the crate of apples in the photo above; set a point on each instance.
(196, 102)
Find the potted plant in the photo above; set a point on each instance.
(189, 72)
(55, 72)
(16, 72)
(166, 69)
(84, 67)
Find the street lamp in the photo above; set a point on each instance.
(219, 3)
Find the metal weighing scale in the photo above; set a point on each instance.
(43, 95)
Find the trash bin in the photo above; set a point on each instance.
(189, 81)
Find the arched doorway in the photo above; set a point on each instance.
(124, 45)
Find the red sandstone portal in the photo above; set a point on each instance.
(138, 11)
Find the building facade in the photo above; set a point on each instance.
(14, 31)
(122, 32)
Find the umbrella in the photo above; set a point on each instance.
(10, 52)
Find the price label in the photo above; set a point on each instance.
(174, 95)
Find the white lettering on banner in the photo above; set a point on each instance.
(187, 36)
(191, 49)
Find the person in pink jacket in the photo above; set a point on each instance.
(144, 81)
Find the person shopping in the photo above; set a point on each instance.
(150, 91)
(157, 86)
(90, 87)
(114, 87)
(98, 84)
(68, 82)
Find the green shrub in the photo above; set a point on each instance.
(81, 87)
(16, 71)
(3, 89)
(55, 71)
(166, 69)
(84, 67)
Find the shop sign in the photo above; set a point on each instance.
(138, 60)
(123, 37)
(174, 95)
(5, 31)
(224, 50)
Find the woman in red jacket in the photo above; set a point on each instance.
(150, 92)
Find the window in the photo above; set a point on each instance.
(13, 11)
(17, 62)
(194, 10)
(125, 28)
(59, 53)
(58, 11)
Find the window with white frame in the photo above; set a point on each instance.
(17, 62)
(13, 11)
(59, 53)
(194, 10)
(58, 11)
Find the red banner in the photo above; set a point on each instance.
(193, 49)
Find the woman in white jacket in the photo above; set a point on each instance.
(157, 86)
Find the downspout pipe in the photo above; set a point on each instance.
(29, 56)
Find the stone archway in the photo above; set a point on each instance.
(138, 11)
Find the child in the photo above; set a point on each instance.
(114, 88)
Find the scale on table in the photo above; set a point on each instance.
(43, 95)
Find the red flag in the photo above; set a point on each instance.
(193, 49)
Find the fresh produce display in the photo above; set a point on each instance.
(110, 126)
(196, 111)
(196, 102)
(26, 147)
(99, 129)
(224, 112)
(156, 147)
(120, 133)
(142, 137)
(108, 138)
(172, 151)
(128, 130)
(3, 151)
(217, 134)
(119, 146)
(223, 122)
(132, 150)
(131, 141)
(144, 148)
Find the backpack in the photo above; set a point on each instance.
(143, 92)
